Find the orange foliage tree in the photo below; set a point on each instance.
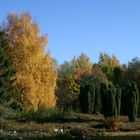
(81, 65)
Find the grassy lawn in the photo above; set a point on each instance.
(78, 125)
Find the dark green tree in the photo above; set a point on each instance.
(133, 74)
(117, 102)
(7, 73)
(108, 64)
(67, 92)
(132, 93)
(97, 103)
(103, 92)
(111, 100)
(117, 74)
(87, 98)
(94, 79)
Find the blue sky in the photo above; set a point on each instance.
(89, 26)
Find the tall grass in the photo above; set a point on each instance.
(44, 114)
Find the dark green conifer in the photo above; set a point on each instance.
(117, 102)
(97, 103)
(7, 73)
(87, 98)
(132, 93)
(111, 100)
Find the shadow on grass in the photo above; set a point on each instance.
(62, 137)
(115, 138)
(59, 137)
(77, 120)
(62, 120)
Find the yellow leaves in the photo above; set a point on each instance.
(24, 31)
(27, 88)
(36, 77)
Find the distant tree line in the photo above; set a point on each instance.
(107, 87)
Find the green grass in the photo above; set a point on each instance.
(44, 123)
(44, 115)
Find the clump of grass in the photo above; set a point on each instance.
(77, 132)
(6, 112)
(41, 115)
(47, 114)
(44, 114)
(112, 123)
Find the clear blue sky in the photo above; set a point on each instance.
(90, 26)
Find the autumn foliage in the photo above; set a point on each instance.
(35, 74)
(29, 81)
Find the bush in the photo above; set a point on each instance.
(43, 114)
(67, 92)
(112, 123)
(47, 114)
(6, 112)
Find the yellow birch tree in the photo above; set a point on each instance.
(35, 74)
